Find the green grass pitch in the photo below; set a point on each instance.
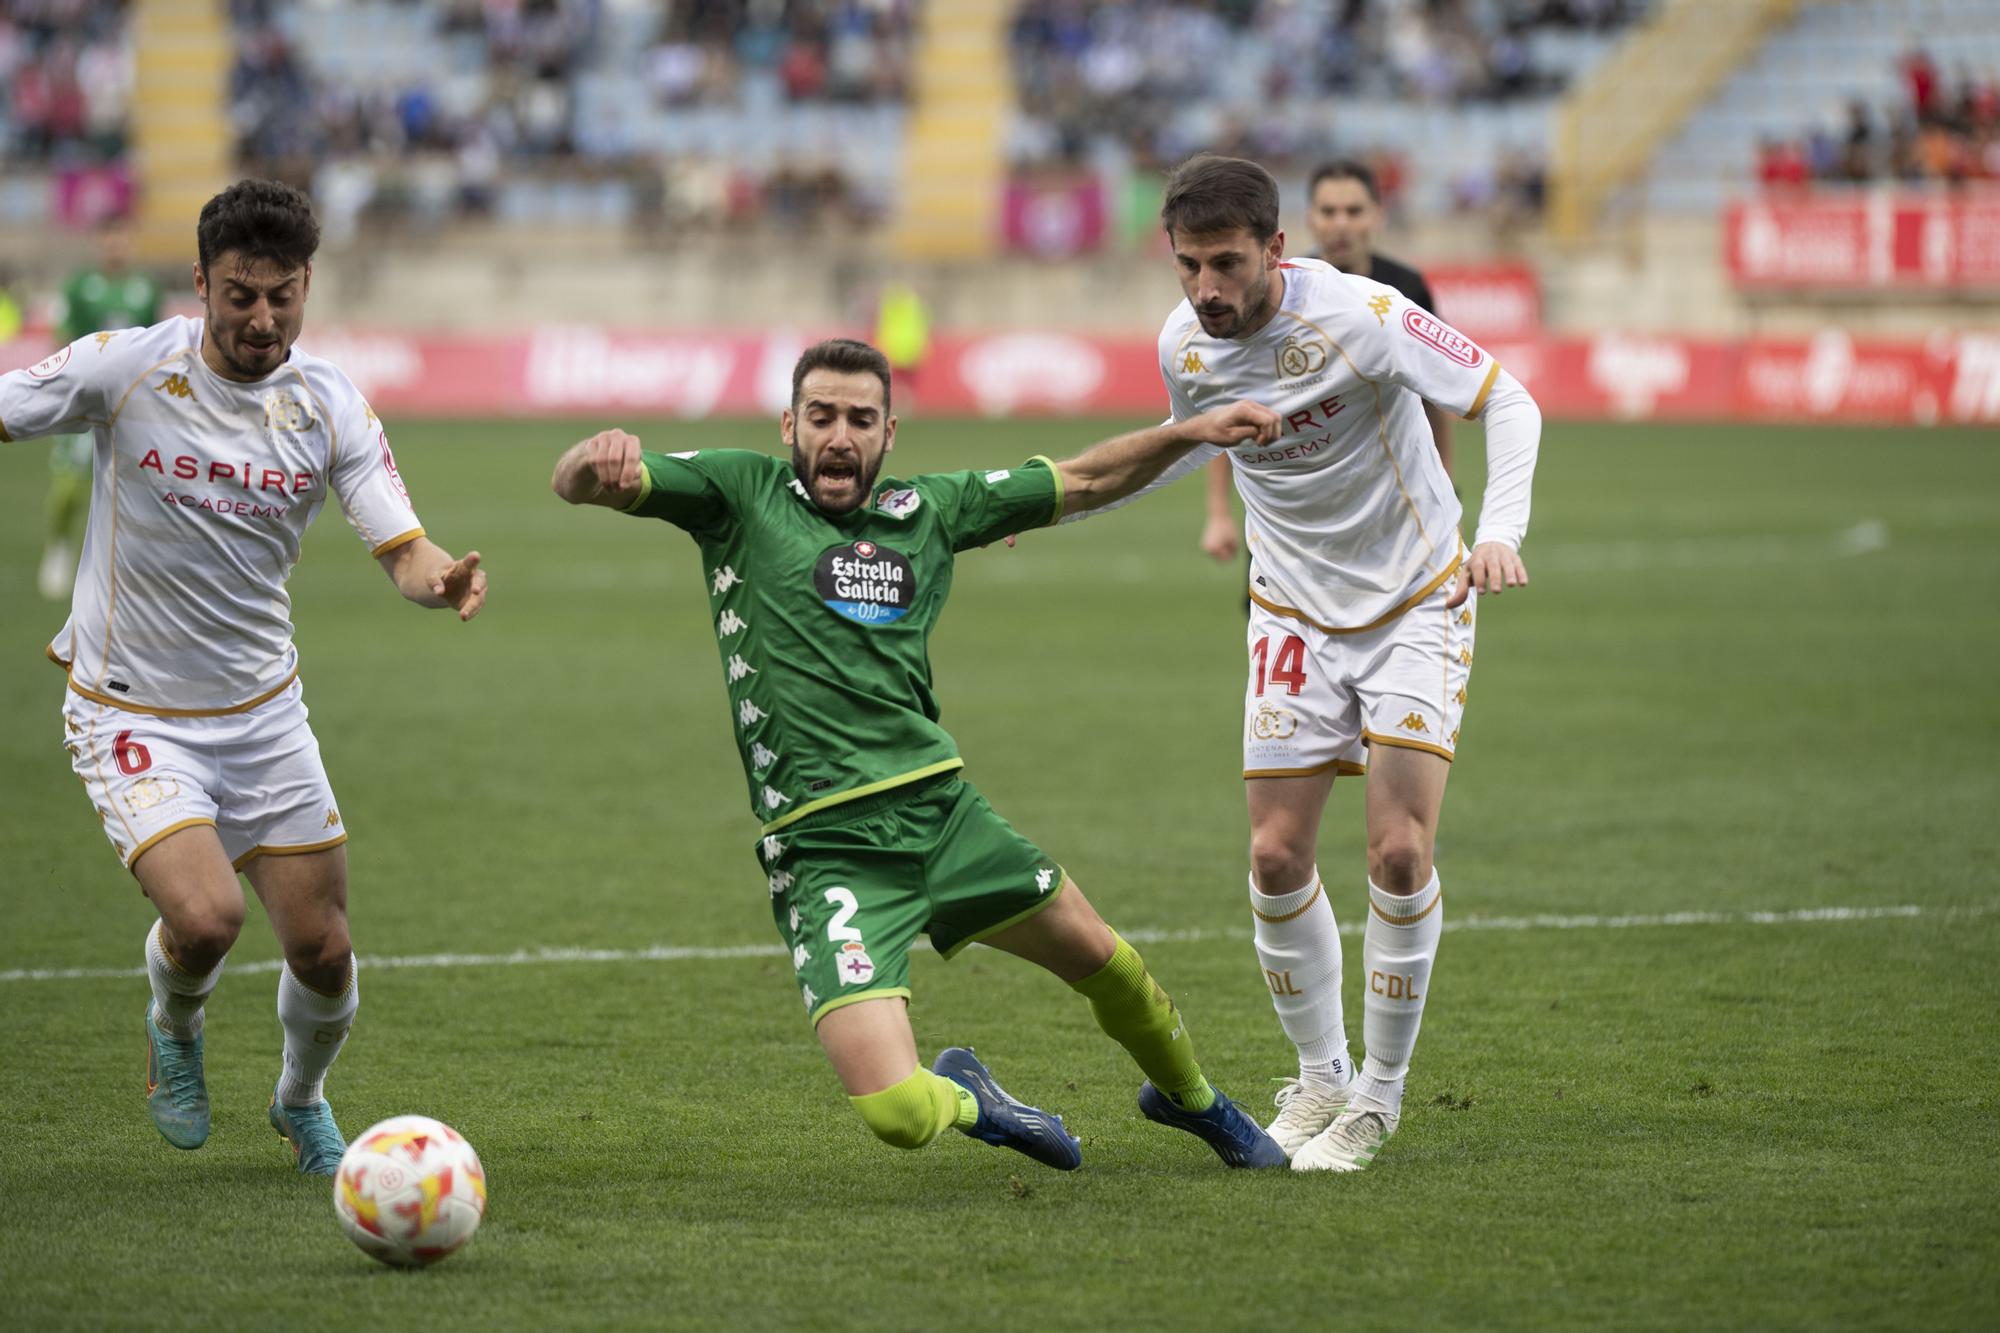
(1754, 675)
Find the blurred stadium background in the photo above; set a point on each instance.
(1701, 209)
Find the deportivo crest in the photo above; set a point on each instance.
(1447, 340)
(853, 964)
(1301, 356)
(899, 504)
(866, 583)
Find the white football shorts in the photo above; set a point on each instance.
(255, 776)
(1315, 699)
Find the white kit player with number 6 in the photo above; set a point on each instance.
(216, 444)
(1361, 622)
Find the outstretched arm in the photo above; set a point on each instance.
(1513, 438)
(1123, 465)
(602, 470)
(428, 575)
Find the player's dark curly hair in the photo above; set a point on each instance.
(845, 356)
(1209, 195)
(258, 219)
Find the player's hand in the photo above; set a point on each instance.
(1239, 423)
(1492, 568)
(1219, 540)
(462, 585)
(602, 469)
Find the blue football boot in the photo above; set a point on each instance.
(1005, 1121)
(314, 1139)
(1224, 1127)
(175, 1092)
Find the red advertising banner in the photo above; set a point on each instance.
(1867, 240)
(1055, 218)
(594, 374)
(1491, 302)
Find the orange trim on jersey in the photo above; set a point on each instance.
(1399, 743)
(299, 849)
(1436, 899)
(50, 653)
(1484, 389)
(129, 707)
(166, 832)
(400, 539)
(1319, 887)
(1378, 622)
(1345, 768)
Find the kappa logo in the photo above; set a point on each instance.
(1414, 722)
(104, 339)
(1465, 616)
(1044, 878)
(773, 798)
(1446, 340)
(1452, 740)
(899, 504)
(1379, 307)
(780, 881)
(1191, 365)
(1299, 357)
(175, 386)
(332, 819)
(1460, 696)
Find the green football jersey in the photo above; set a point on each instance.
(93, 301)
(823, 623)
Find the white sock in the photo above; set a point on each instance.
(1299, 947)
(1398, 949)
(315, 1029)
(178, 994)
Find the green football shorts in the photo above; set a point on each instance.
(853, 886)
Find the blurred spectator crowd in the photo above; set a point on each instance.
(1939, 130)
(65, 82)
(1121, 79)
(507, 97)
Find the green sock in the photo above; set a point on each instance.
(912, 1113)
(1132, 1009)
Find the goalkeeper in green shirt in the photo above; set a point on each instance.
(824, 582)
(109, 294)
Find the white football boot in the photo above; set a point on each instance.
(1349, 1143)
(1304, 1109)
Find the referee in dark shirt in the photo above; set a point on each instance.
(1343, 209)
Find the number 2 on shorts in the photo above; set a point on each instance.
(1289, 670)
(838, 929)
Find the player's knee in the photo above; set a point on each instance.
(898, 1125)
(322, 963)
(1400, 863)
(1278, 862)
(199, 934)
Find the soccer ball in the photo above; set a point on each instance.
(409, 1191)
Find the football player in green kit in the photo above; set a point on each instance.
(109, 294)
(824, 583)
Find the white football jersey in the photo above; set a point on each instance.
(1350, 516)
(202, 493)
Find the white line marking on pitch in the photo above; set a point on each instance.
(677, 953)
(1864, 538)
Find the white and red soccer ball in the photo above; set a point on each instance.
(410, 1191)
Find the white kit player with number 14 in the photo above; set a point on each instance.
(1361, 621)
(216, 444)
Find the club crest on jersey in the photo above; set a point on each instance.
(866, 583)
(1449, 342)
(899, 504)
(50, 364)
(853, 964)
(1299, 357)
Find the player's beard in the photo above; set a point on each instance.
(865, 473)
(1234, 321)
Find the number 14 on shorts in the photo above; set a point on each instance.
(1287, 667)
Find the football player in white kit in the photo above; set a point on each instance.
(1361, 621)
(217, 442)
